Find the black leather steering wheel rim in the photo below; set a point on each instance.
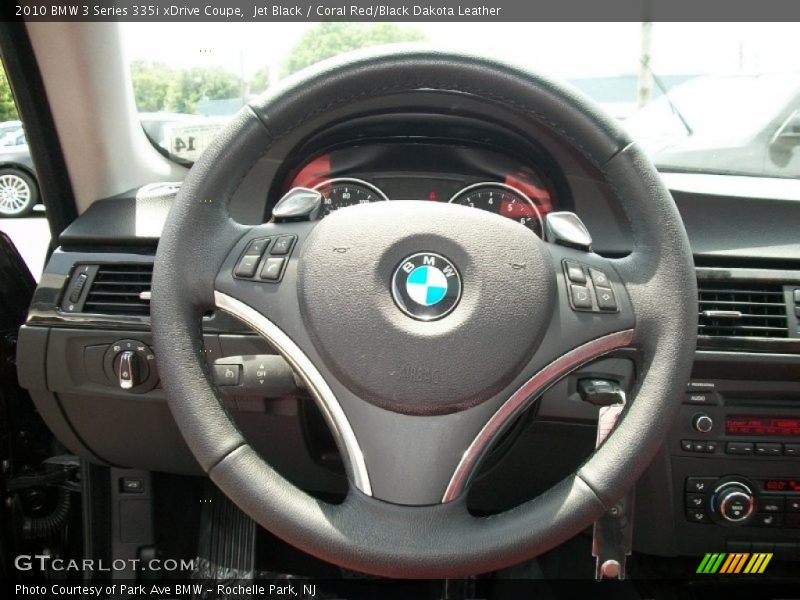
(365, 533)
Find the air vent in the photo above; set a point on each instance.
(122, 289)
(742, 310)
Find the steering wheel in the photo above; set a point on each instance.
(422, 329)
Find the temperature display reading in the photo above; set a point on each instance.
(782, 485)
(770, 426)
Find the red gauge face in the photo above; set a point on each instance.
(536, 191)
(502, 200)
(313, 173)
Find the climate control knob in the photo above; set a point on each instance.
(733, 502)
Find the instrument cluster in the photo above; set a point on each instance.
(474, 177)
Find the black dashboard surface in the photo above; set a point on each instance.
(722, 229)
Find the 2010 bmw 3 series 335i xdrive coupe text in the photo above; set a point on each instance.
(402, 309)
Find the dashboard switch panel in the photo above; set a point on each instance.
(131, 365)
(265, 259)
(734, 501)
(263, 375)
(589, 289)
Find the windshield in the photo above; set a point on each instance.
(711, 97)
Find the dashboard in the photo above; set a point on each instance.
(745, 384)
(436, 172)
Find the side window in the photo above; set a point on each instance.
(21, 214)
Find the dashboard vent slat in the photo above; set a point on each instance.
(117, 290)
(743, 310)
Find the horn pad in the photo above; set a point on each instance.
(425, 308)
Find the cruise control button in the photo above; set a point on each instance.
(282, 245)
(575, 272)
(227, 374)
(247, 266)
(581, 298)
(739, 448)
(599, 278)
(770, 505)
(605, 298)
(272, 269)
(257, 247)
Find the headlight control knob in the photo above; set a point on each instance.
(130, 365)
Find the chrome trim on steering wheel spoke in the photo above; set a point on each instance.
(522, 399)
(319, 388)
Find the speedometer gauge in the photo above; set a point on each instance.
(345, 191)
(504, 200)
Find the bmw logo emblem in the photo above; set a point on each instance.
(426, 286)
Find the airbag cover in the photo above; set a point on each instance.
(407, 365)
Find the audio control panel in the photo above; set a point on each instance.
(736, 501)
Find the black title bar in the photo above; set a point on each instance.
(398, 10)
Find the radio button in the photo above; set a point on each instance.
(711, 447)
(700, 398)
(687, 445)
(770, 505)
(739, 448)
(702, 423)
(793, 505)
(791, 449)
(766, 449)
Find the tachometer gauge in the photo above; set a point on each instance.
(503, 200)
(345, 191)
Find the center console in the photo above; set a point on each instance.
(732, 466)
